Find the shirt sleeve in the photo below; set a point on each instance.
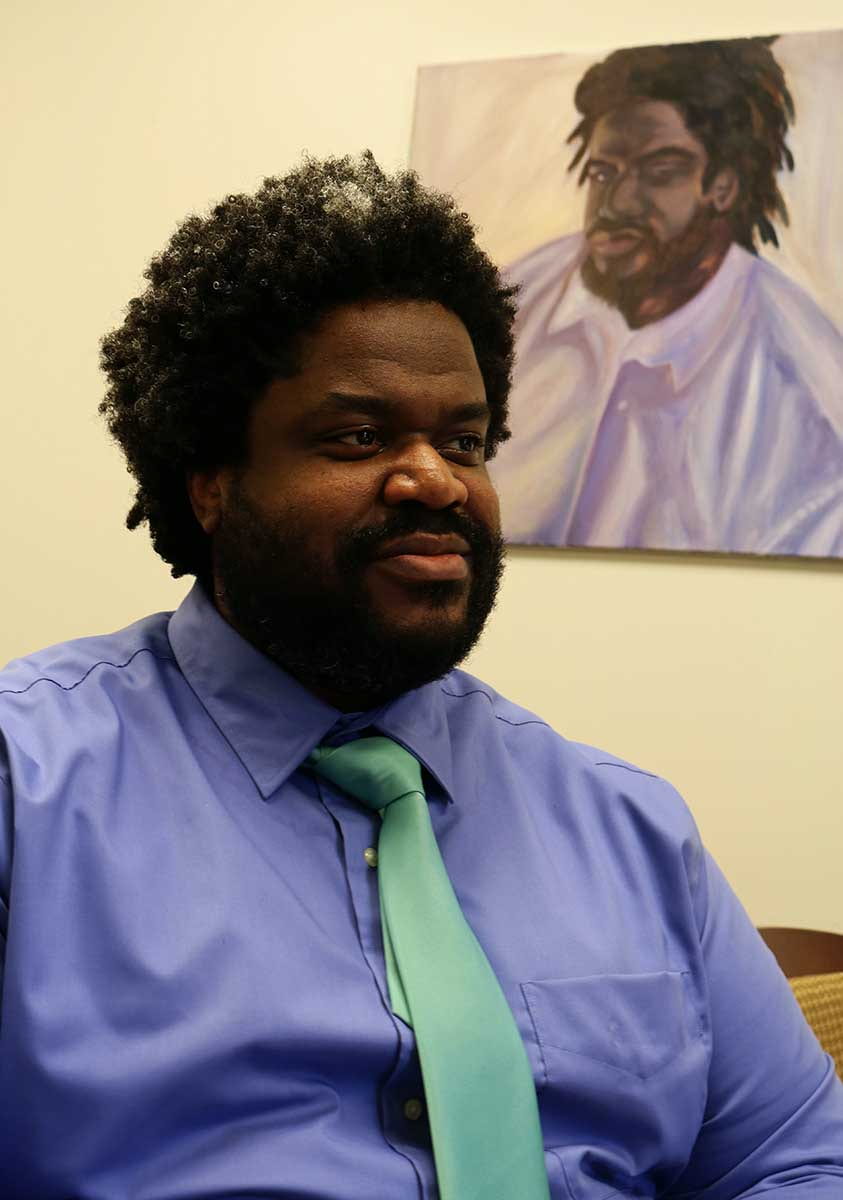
(774, 1117)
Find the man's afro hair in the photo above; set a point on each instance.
(231, 295)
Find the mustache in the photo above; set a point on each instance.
(609, 225)
(362, 545)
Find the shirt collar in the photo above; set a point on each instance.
(271, 721)
(682, 341)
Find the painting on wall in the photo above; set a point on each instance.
(672, 217)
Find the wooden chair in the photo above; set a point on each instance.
(812, 959)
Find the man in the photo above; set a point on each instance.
(674, 390)
(198, 1001)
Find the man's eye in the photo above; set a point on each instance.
(470, 444)
(599, 173)
(363, 438)
(662, 174)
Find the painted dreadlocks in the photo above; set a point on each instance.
(732, 96)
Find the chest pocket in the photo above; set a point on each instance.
(633, 1023)
(622, 1079)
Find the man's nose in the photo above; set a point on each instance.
(623, 198)
(421, 474)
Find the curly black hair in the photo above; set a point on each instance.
(733, 97)
(231, 295)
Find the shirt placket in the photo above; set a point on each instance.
(403, 1112)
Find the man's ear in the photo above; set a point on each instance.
(207, 491)
(724, 189)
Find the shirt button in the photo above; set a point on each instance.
(413, 1109)
(371, 856)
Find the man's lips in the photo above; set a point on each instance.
(425, 557)
(614, 243)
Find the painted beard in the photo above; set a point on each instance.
(675, 272)
(327, 635)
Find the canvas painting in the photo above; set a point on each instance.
(671, 216)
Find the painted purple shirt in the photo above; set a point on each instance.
(719, 427)
(195, 1004)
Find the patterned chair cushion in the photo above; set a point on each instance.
(821, 1000)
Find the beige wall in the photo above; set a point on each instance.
(724, 675)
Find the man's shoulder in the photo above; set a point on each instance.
(605, 777)
(66, 667)
(799, 340)
(791, 309)
(573, 774)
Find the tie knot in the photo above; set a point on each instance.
(374, 770)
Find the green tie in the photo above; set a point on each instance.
(481, 1100)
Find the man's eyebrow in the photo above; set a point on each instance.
(652, 156)
(668, 152)
(382, 406)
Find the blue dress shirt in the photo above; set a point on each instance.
(195, 1002)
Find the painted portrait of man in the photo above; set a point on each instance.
(674, 387)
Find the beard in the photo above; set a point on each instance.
(320, 625)
(675, 270)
